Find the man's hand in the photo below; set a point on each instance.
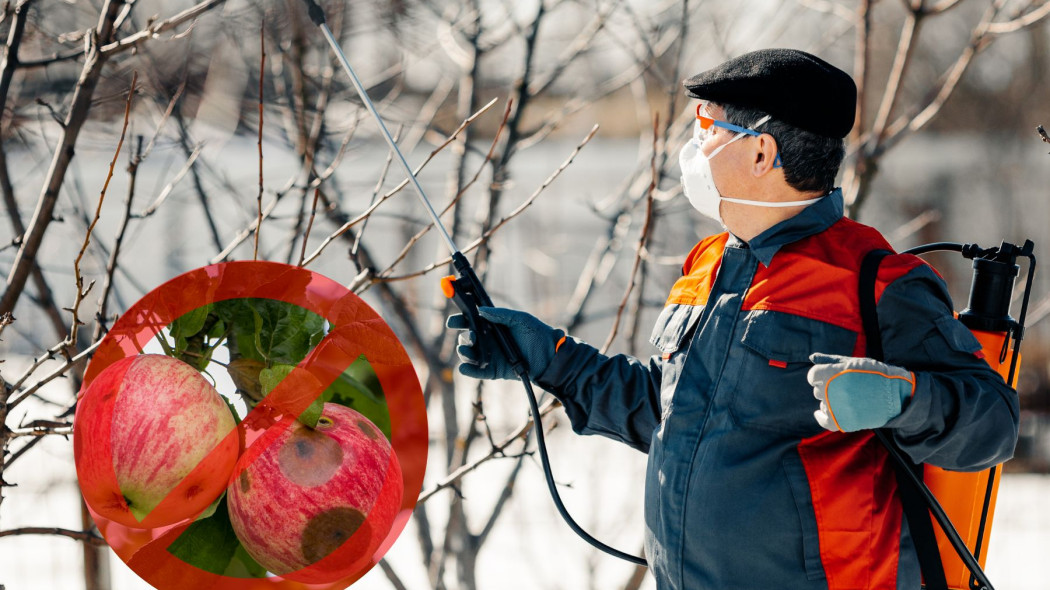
(857, 393)
(537, 341)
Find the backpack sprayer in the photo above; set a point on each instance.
(467, 292)
(965, 517)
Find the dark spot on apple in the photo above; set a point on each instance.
(368, 429)
(309, 457)
(328, 530)
(246, 482)
(193, 491)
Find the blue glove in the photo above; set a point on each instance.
(538, 343)
(857, 393)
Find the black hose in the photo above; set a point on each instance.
(938, 513)
(541, 443)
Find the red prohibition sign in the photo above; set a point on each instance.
(355, 329)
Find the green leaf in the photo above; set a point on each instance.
(210, 510)
(238, 316)
(187, 326)
(269, 378)
(312, 414)
(210, 543)
(283, 331)
(358, 388)
(243, 565)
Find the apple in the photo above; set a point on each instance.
(314, 504)
(154, 442)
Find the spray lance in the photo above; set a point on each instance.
(467, 292)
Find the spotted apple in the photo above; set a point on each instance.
(154, 442)
(314, 504)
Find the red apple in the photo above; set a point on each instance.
(314, 504)
(154, 442)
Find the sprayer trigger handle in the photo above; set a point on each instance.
(461, 293)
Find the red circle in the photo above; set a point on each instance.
(355, 329)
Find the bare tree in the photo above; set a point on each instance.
(472, 90)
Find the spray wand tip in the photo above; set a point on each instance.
(315, 11)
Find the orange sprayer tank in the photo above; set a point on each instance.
(969, 498)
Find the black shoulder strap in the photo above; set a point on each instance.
(869, 316)
(912, 502)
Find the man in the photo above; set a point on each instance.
(757, 410)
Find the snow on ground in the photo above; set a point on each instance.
(530, 549)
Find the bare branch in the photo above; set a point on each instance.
(42, 428)
(391, 575)
(63, 155)
(309, 225)
(168, 188)
(58, 372)
(643, 238)
(911, 123)
(88, 537)
(488, 158)
(905, 50)
(367, 212)
(81, 291)
(14, 42)
(942, 6)
(827, 7)
(153, 30)
(111, 266)
(1020, 22)
(497, 451)
(503, 221)
(262, 79)
(501, 502)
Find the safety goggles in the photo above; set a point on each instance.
(706, 123)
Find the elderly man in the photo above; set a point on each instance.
(756, 410)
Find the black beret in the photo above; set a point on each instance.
(789, 85)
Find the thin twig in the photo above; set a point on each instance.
(391, 575)
(1042, 134)
(262, 78)
(80, 105)
(502, 221)
(88, 537)
(168, 188)
(1020, 22)
(309, 225)
(380, 181)
(497, 451)
(153, 30)
(901, 61)
(481, 167)
(643, 239)
(37, 431)
(81, 291)
(111, 266)
(367, 212)
(59, 372)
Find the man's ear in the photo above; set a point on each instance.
(765, 155)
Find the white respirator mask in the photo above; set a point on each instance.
(698, 183)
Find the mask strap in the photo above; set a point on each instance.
(773, 203)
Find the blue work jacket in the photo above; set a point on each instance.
(744, 490)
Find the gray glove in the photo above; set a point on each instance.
(537, 342)
(857, 393)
